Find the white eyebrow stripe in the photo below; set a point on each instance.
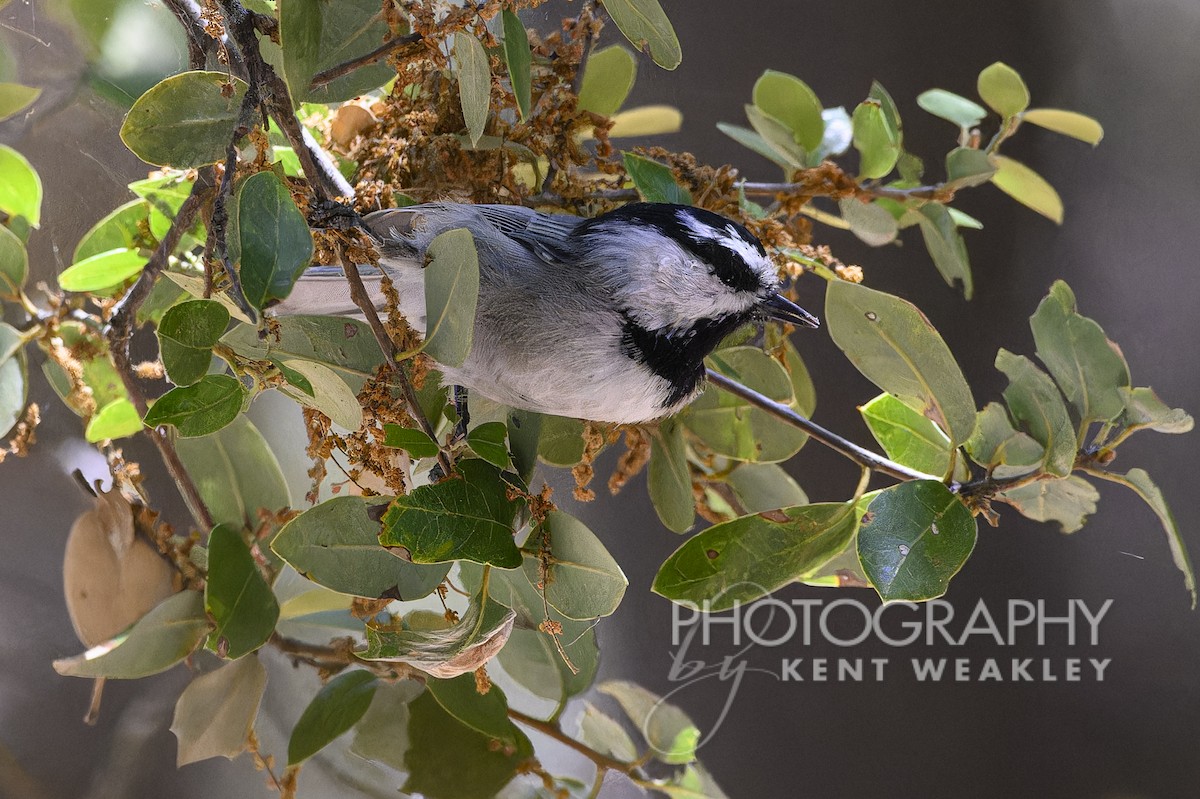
(755, 260)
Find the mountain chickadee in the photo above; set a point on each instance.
(607, 319)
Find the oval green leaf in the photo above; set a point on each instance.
(236, 596)
(788, 99)
(335, 709)
(20, 187)
(647, 28)
(1068, 123)
(1036, 404)
(185, 120)
(474, 75)
(159, 640)
(186, 335)
(336, 544)
(451, 293)
(669, 478)
(607, 80)
(199, 409)
(1003, 89)
(913, 539)
(895, 347)
(269, 239)
(103, 271)
(518, 59)
(747, 558)
(1027, 187)
(582, 580)
(215, 713)
(15, 98)
(117, 419)
(875, 139)
(952, 107)
(655, 182)
(14, 263)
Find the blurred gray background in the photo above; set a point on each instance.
(1128, 248)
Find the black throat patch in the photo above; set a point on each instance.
(677, 354)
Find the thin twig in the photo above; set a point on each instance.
(863, 457)
(358, 293)
(546, 728)
(120, 331)
(919, 192)
(327, 76)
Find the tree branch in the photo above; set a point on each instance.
(358, 293)
(863, 457)
(546, 728)
(327, 76)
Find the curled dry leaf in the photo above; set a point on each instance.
(111, 575)
(350, 121)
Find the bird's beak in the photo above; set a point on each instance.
(782, 309)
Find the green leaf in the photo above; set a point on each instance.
(317, 35)
(1067, 501)
(749, 557)
(416, 443)
(236, 473)
(751, 140)
(14, 263)
(103, 271)
(1035, 403)
(20, 187)
(647, 28)
(186, 335)
(966, 166)
(906, 436)
(531, 655)
(331, 394)
(562, 442)
(669, 479)
(166, 194)
(487, 441)
(605, 735)
(946, 246)
(1138, 481)
(117, 419)
(215, 713)
(484, 713)
(876, 140)
(518, 59)
(765, 486)
(694, 782)
(474, 767)
(451, 294)
(1143, 408)
(789, 100)
(1003, 90)
(14, 384)
(474, 76)
(159, 640)
(871, 222)
(607, 80)
(336, 544)
(524, 432)
(446, 651)
(345, 345)
(185, 120)
(1027, 187)
(895, 347)
(655, 182)
(995, 442)
(201, 408)
(891, 115)
(335, 709)
(1068, 123)
(778, 136)
(952, 107)
(671, 735)
(15, 98)
(913, 539)
(270, 241)
(1089, 368)
(466, 517)
(123, 228)
(582, 580)
(731, 427)
(236, 596)
(382, 735)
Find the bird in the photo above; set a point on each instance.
(607, 318)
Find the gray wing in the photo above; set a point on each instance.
(410, 229)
